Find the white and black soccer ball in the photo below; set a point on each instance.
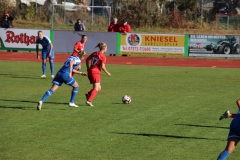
(126, 99)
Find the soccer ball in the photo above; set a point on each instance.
(126, 99)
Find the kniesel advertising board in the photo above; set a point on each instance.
(152, 44)
(214, 45)
(20, 39)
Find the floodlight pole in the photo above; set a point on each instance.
(202, 14)
(36, 7)
(92, 10)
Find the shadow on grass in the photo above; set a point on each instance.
(164, 135)
(15, 76)
(196, 125)
(27, 77)
(6, 74)
(17, 107)
(117, 103)
(20, 101)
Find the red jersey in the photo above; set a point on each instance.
(125, 28)
(113, 27)
(98, 58)
(79, 46)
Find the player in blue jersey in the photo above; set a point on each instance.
(47, 52)
(233, 136)
(64, 75)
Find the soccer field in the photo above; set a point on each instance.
(173, 114)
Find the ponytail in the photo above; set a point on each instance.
(81, 53)
(82, 35)
(101, 45)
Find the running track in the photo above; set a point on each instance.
(144, 61)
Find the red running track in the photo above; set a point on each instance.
(144, 61)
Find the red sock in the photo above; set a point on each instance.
(92, 95)
(232, 115)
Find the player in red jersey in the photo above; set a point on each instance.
(79, 46)
(98, 63)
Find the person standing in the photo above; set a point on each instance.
(64, 75)
(98, 63)
(125, 27)
(47, 52)
(233, 136)
(79, 26)
(114, 26)
(6, 21)
(79, 45)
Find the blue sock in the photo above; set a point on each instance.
(47, 95)
(51, 67)
(74, 94)
(223, 155)
(44, 68)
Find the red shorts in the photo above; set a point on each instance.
(74, 54)
(94, 77)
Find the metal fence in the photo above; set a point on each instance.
(91, 16)
(228, 22)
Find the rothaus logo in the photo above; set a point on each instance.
(21, 38)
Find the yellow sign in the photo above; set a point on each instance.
(152, 44)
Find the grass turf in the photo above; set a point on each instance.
(173, 114)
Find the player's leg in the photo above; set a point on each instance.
(231, 145)
(73, 83)
(93, 93)
(44, 60)
(49, 92)
(223, 155)
(47, 95)
(95, 80)
(57, 81)
(227, 114)
(51, 58)
(74, 94)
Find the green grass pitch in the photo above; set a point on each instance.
(173, 114)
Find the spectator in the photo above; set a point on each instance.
(6, 21)
(114, 26)
(226, 9)
(79, 26)
(125, 27)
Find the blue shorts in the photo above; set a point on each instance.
(45, 53)
(234, 129)
(62, 77)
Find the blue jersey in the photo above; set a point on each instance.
(63, 74)
(235, 127)
(45, 42)
(66, 65)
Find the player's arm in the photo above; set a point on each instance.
(51, 47)
(105, 69)
(84, 27)
(71, 68)
(37, 44)
(80, 73)
(87, 62)
(76, 49)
